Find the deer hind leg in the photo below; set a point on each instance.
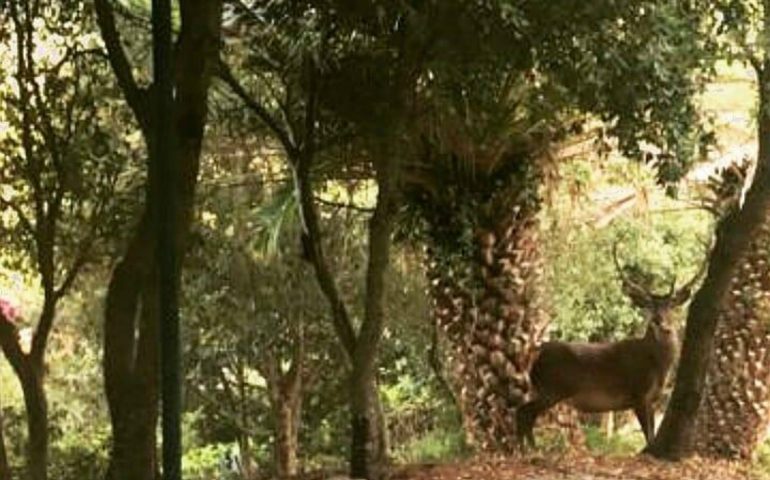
(526, 416)
(644, 414)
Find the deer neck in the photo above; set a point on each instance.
(663, 343)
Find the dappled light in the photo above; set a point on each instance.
(434, 239)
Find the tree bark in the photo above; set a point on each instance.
(492, 329)
(37, 422)
(734, 234)
(736, 410)
(367, 455)
(29, 369)
(286, 389)
(131, 380)
(131, 354)
(5, 469)
(287, 437)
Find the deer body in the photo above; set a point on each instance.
(603, 377)
(600, 377)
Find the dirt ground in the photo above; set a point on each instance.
(576, 466)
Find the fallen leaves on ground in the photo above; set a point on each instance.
(576, 466)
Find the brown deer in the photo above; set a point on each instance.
(602, 377)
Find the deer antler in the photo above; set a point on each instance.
(683, 293)
(637, 293)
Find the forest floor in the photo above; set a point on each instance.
(578, 466)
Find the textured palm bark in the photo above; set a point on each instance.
(736, 409)
(493, 330)
(676, 437)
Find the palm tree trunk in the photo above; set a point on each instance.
(736, 409)
(735, 232)
(493, 329)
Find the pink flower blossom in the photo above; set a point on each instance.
(7, 310)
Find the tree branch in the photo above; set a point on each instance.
(135, 96)
(225, 74)
(25, 222)
(77, 265)
(349, 206)
(311, 231)
(11, 345)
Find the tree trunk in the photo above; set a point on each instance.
(29, 369)
(5, 469)
(131, 366)
(493, 329)
(367, 455)
(287, 438)
(37, 422)
(735, 231)
(363, 453)
(163, 159)
(131, 379)
(736, 410)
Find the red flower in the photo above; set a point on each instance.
(7, 310)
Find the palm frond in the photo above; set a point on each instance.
(274, 218)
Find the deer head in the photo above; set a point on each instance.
(657, 306)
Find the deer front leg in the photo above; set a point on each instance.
(526, 416)
(644, 414)
(525, 422)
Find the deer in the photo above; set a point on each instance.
(609, 376)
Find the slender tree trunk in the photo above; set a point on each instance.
(37, 421)
(286, 391)
(382, 432)
(131, 379)
(30, 370)
(287, 437)
(676, 437)
(363, 453)
(367, 455)
(169, 250)
(244, 443)
(5, 469)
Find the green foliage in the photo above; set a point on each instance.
(205, 462)
(475, 93)
(620, 443)
(81, 453)
(64, 145)
(761, 465)
(438, 445)
(658, 237)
